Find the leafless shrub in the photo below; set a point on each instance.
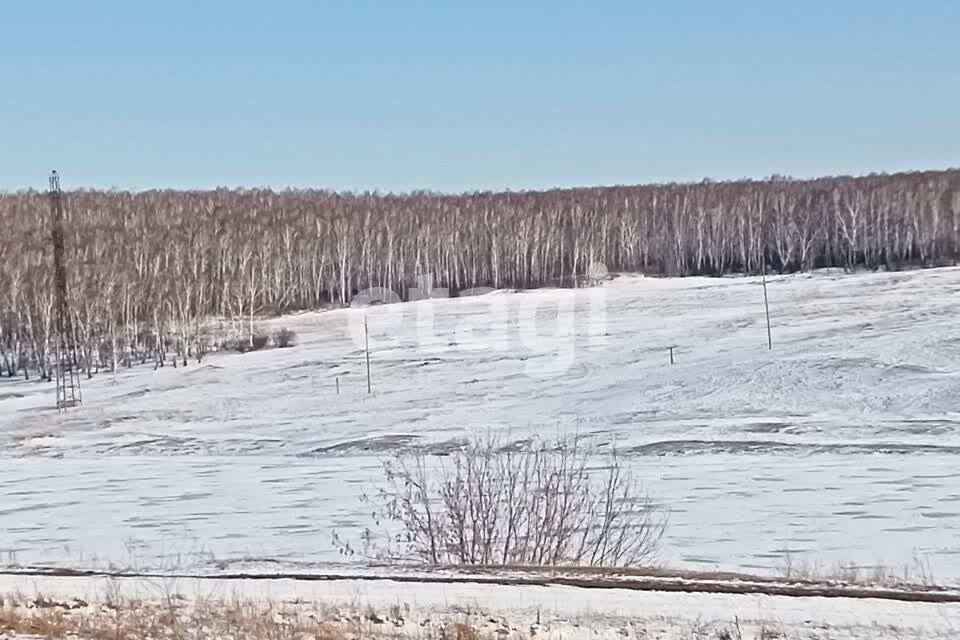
(731, 633)
(240, 345)
(245, 344)
(542, 504)
(284, 338)
(770, 633)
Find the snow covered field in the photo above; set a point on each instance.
(840, 444)
(383, 608)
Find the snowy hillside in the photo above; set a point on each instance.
(840, 444)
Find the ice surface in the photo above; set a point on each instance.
(841, 444)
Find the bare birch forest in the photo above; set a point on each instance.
(151, 271)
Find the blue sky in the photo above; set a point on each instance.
(457, 96)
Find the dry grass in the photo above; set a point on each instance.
(117, 618)
(174, 618)
(137, 620)
(917, 574)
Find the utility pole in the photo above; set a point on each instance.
(366, 340)
(766, 303)
(68, 378)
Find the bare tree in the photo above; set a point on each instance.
(150, 269)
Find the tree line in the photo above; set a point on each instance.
(150, 271)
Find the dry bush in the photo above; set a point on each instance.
(542, 504)
(246, 344)
(259, 341)
(284, 338)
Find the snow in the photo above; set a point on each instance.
(541, 611)
(840, 444)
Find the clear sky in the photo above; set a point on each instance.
(453, 96)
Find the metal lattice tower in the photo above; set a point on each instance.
(68, 378)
